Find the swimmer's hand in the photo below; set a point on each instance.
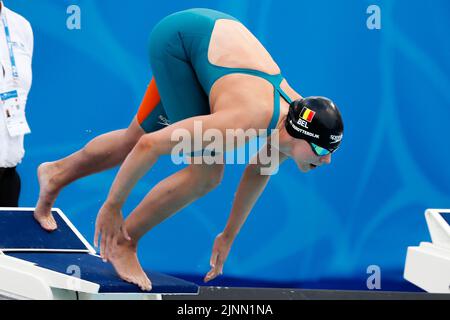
(221, 248)
(110, 227)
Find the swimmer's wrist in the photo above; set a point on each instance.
(113, 203)
(229, 235)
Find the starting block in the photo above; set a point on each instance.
(428, 265)
(35, 264)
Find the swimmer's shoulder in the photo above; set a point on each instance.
(293, 94)
(249, 93)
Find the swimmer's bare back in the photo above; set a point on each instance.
(233, 45)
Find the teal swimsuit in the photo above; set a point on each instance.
(183, 74)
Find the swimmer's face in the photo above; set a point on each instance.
(305, 158)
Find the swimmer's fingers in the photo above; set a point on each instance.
(109, 246)
(213, 260)
(209, 276)
(124, 231)
(219, 265)
(111, 235)
(102, 246)
(216, 268)
(109, 226)
(105, 243)
(96, 236)
(101, 233)
(112, 245)
(212, 274)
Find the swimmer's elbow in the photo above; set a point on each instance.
(254, 169)
(262, 170)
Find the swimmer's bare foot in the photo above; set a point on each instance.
(125, 261)
(47, 196)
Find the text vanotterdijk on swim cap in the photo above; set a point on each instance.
(316, 136)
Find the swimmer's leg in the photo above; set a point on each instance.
(166, 198)
(103, 152)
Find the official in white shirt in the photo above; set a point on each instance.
(16, 51)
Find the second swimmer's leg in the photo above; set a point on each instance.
(166, 198)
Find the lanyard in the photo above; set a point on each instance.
(15, 74)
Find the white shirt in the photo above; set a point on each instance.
(11, 149)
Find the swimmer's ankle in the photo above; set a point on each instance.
(56, 177)
(129, 244)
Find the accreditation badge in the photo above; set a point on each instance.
(14, 113)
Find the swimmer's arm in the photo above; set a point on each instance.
(250, 188)
(151, 146)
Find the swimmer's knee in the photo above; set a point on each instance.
(133, 133)
(146, 143)
(131, 141)
(208, 177)
(205, 185)
(215, 176)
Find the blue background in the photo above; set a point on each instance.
(318, 230)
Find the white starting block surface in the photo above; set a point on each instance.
(35, 264)
(428, 265)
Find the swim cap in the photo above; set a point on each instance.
(316, 120)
